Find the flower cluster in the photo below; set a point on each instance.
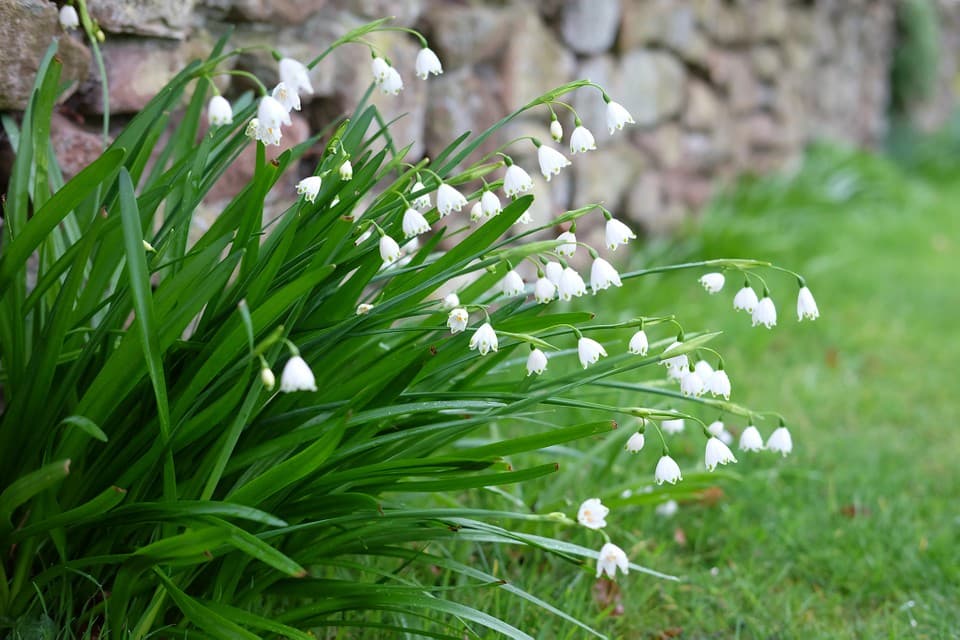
(592, 514)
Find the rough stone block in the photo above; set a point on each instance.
(590, 26)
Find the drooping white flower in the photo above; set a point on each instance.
(544, 290)
(484, 339)
(512, 284)
(691, 384)
(667, 509)
(363, 237)
(704, 370)
(712, 282)
(69, 18)
(364, 308)
(346, 171)
(219, 111)
(451, 301)
(718, 384)
(285, 96)
(556, 130)
(590, 351)
(750, 439)
(427, 63)
(476, 212)
(421, 202)
(715, 428)
(726, 437)
(717, 453)
(297, 376)
(635, 443)
(745, 300)
(681, 362)
(267, 378)
(602, 275)
(569, 238)
(525, 218)
(270, 116)
(457, 320)
(617, 116)
(551, 161)
(765, 313)
(393, 84)
(571, 285)
(253, 129)
(490, 204)
(536, 362)
(610, 559)
(516, 181)
(581, 140)
(780, 441)
(667, 471)
(414, 223)
(309, 188)
(617, 233)
(806, 305)
(592, 514)
(449, 200)
(380, 69)
(676, 373)
(389, 250)
(639, 343)
(296, 76)
(554, 271)
(672, 427)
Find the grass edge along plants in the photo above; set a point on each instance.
(259, 433)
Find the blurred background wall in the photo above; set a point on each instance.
(718, 87)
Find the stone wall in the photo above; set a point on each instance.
(717, 87)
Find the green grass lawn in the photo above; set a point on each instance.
(857, 534)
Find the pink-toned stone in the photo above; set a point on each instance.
(74, 146)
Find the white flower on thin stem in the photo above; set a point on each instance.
(712, 282)
(592, 514)
(556, 130)
(516, 181)
(393, 84)
(667, 471)
(346, 171)
(297, 376)
(745, 300)
(673, 426)
(590, 351)
(691, 385)
(602, 275)
(765, 313)
(296, 76)
(289, 99)
(457, 320)
(581, 140)
(219, 111)
(421, 202)
(364, 308)
(309, 188)
(780, 441)
(380, 68)
(427, 63)
(484, 339)
(667, 509)
(389, 250)
(476, 212)
(490, 204)
(363, 237)
(806, 305)
(551, 161)
(718, 384)
(544, 290)
(750, 439)
(704, 370)
(69, 18)
(414, 223)
(681, 362)
(571, 285)
(270, 116)
(554, 271)
(717, 453)
(569, 238)
(451, 301)
(715, 428)
(449, 200)
(610, 559)
(635, 443)
(617, 116)
(512, 284)
(639, 343)
(536, 362)
(267, 378)
(617, 233)
(253, 129)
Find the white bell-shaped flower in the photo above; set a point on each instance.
(544, 290)
(389, 250)
(267, 378)
(806, 305)
(639, 344)
(681, 362)
(309, 188)
(476, 212)
(569, 238)
(554, 271)
(346, 171)
(380, 68)
(592, 514)
(484, 339)
(712, 282)
(603, 275)
(512, 284)
(703, 369)
(69, 18)
(414, 223)
(393, 84)
(571, 285)
(635, 443)
(715, 428)
(691, 385)
(551, 161)
(295, 75)
(490, 204)
(421, 202)
(556, 130)
(219, 111)
(780, 441)
(449, 200)
(672, 426)
(427, 63)
(536, 362)
(590, 351)
(617, 233)
(451, 301)
(750, 439)
(667, 471)
(717, 453)
(270, 116)
(516, 181)
(581, 140)
(457, 320)
(718, 384)
(297, 376)
(617, 116)
(745, 300)
(610, 559)
(765, 313)
(285, 96)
